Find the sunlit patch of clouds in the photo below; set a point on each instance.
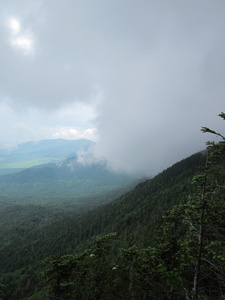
(14, 25)
(24, 43)
(75, 133)
(19, 38)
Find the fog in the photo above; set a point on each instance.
(138, 77)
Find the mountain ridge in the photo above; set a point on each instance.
(31, 153)
(70, 178)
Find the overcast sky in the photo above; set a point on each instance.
(140, 77)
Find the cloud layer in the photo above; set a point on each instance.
(142, 75)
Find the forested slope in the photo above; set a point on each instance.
(185, 257)
(56, 183)
(134, 217)
(180, 255)
(136, 214)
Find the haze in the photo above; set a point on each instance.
(140, 77)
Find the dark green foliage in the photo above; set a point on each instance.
(135, 215)
(187, 259)
(37, 232)
(88, 275)
(170, 241)
(165, 270)
(53, 184)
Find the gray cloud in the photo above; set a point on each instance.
(160, 66)
(159, 95)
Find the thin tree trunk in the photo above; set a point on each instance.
(198, 264)
(200, 237)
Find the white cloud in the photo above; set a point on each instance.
(14, 26)
(75, 133)
(24, 43)
(20, 38)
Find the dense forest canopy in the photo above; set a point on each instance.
(164, 239)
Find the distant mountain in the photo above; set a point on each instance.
(36, 153)
(57, 182)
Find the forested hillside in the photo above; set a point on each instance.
(70, 176)
(32, 233)
(55, 184)
(185, 256)
(165, 239)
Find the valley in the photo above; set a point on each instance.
(56, 217)
(64, 179)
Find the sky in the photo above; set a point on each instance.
(139, 77)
